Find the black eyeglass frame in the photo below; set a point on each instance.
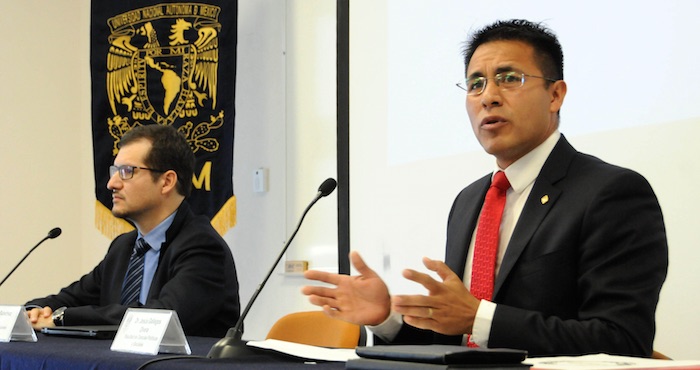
(126, 171)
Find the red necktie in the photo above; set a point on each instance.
(486, 244)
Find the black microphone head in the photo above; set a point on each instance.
(55, 232)
(327, 187)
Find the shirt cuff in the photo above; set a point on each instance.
(482, 323)
(388, 330)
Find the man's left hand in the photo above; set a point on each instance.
(449, 308)
(41, 317)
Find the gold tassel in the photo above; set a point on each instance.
(226, 217)
(109, 225)
(112, 227)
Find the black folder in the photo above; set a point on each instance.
(372, 364)
(92, 332)
(436, 356)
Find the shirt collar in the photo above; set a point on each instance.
(156, 237)
(524, 171)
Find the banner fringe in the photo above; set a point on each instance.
(109, 225)
(112, 227)
(226, 217)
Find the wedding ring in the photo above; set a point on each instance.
(430, 312)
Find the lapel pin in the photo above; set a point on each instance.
(544, 199)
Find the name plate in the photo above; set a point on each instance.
(150, 331)
(14, 325)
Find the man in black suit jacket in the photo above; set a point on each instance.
(582, 252)
(189, 267)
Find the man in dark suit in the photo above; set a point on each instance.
(581, 251)
(186, 265)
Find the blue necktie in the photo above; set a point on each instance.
(134, 273)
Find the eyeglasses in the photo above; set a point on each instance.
(506, 81)
(126, 172)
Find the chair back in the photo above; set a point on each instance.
(316, 329)
(656, 355)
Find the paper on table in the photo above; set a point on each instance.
(306, 351)
(606, 362)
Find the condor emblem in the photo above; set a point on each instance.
(147, 81)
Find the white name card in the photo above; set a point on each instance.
(150, 331)
(14, 325)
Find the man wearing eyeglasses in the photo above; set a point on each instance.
(579, 251)
(173, 260)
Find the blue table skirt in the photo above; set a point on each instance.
(62, 353)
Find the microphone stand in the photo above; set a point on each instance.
(55, 232)
(232, 345)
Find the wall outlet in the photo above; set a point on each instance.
(295, 267)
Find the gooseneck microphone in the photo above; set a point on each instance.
(55, 232)
(231, 345)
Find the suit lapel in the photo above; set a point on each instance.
(542, 198)
(120, 264)
(463, 222)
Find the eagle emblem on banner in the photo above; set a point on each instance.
(186, 70)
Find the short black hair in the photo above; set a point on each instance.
(169, 151)
(548, 53)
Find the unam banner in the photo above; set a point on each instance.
(166, 63)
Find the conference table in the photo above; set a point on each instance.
(62, 353)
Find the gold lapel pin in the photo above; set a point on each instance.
(544, 199)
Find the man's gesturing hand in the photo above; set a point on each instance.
(448, 308)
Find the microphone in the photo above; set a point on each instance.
(326, 188)
(55, 232)
(231, 345)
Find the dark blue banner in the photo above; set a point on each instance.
(166, 63)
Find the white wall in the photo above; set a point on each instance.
(399, 204)
(45, 146)
(294, 138)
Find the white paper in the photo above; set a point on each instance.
(149, 331)
(14, 325)
(306, 351)
(174, 340)
(606, 362)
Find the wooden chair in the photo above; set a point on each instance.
(316, 329)
(659, 356)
